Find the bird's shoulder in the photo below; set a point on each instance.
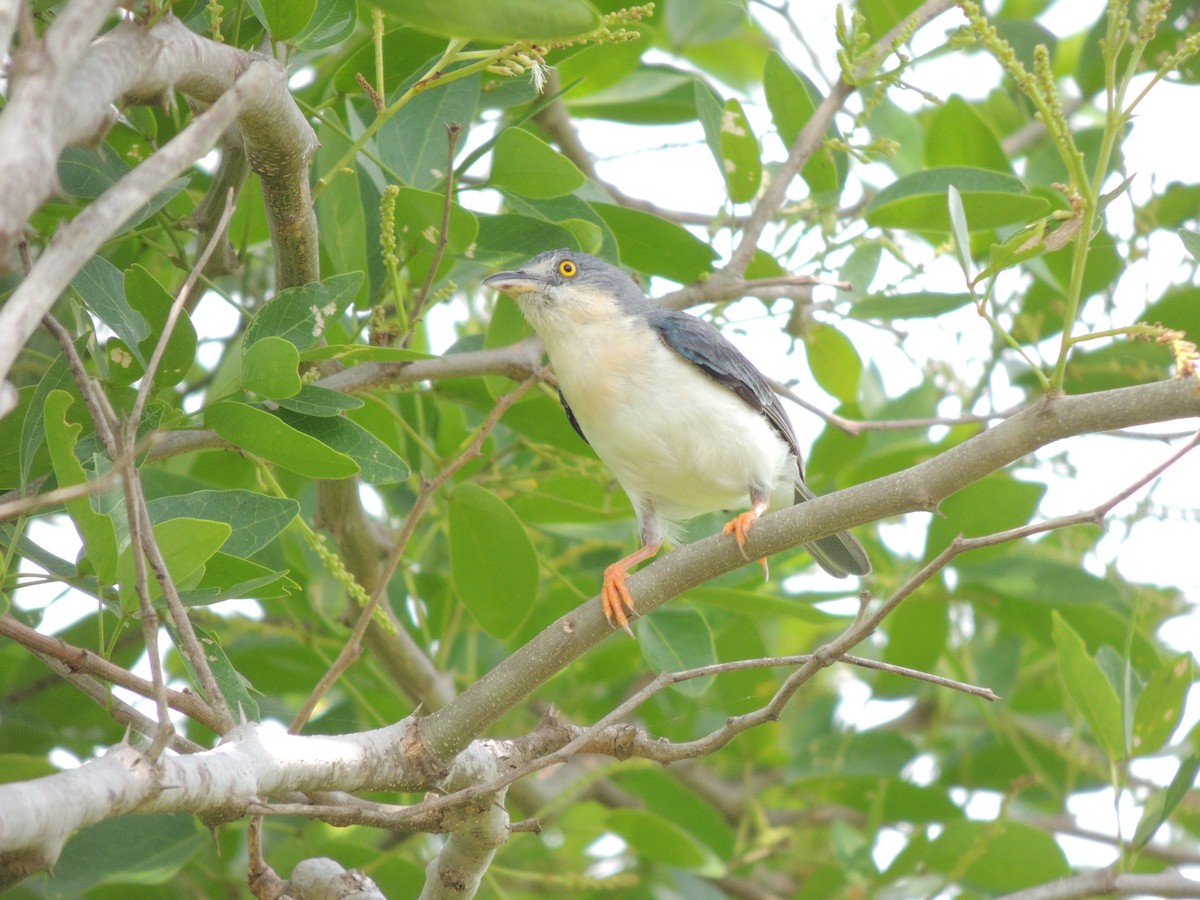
(705, 347)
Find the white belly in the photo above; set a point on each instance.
(671, 435)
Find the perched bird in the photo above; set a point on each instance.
(684, 421)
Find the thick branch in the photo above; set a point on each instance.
(222, 784)
(60, 99)
(920, 488)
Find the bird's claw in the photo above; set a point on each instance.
(615, 598)
(739, 527)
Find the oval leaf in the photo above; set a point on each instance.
(657, 838)
(271, 368)
(655, 246)
(527, 165)
(1089, 689)
(492, 561)
(498, 21)
(740, 157)
(378, 463)
(264, 435)
(990, 199)
(676, 639)
(834, 362)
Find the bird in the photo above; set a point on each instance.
(683, 420)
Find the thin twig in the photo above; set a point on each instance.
(141, 530)
(453, 130)
(176, 310)
(855, 427)
(121, 712)
(11, 509)
(85, 662)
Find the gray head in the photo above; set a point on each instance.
(561, 287)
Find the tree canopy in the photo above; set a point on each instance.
(301, 554)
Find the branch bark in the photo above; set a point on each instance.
(918, 489)
(62, 95)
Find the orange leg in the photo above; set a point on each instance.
(614, 595)
(739, 527)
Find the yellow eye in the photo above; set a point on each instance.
(567, 268)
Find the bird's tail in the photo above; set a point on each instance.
(838, 554)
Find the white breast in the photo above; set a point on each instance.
(669, 433)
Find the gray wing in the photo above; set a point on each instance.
(706, 348)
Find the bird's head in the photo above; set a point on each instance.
(564, 288)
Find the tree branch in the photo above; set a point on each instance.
(139, 65)
(920, 488)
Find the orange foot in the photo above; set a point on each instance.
(739, 527)
(614, 594)
(615, 597)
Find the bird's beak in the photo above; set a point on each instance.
(513, 283)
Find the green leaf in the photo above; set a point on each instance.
(574, 215)
(268, 436)
(102, 287)
(271, 368)
(314, 400)
(708, 112)
(492, 561)
(651, 95)
(498, 21)
(527, 165)
(419, 222)
(231, 577)
(129, 850)
(919, 305)
(959, 230)
(302, 314)
(1090, 691)
(996, 857)
(378, 463)
(233, 687)
(958, 135)
(992, 504)
(147, 297)
(341, 215)
(1160, 707)
(1191, 242)
(86, 173)
(508, 240)
(332, 22)
(759, 604)
(33, 435)
(283, 18)
(95, 529)
(256, 519)
(700, 22)
(792, 98)
(860, 267)
(676, 639)
(186, 545)
(414, 144)
(1161, 804)
(24, 767)
(834, 361)
(655, 246)
(918, 202)
(657, 838)
(741, 158)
